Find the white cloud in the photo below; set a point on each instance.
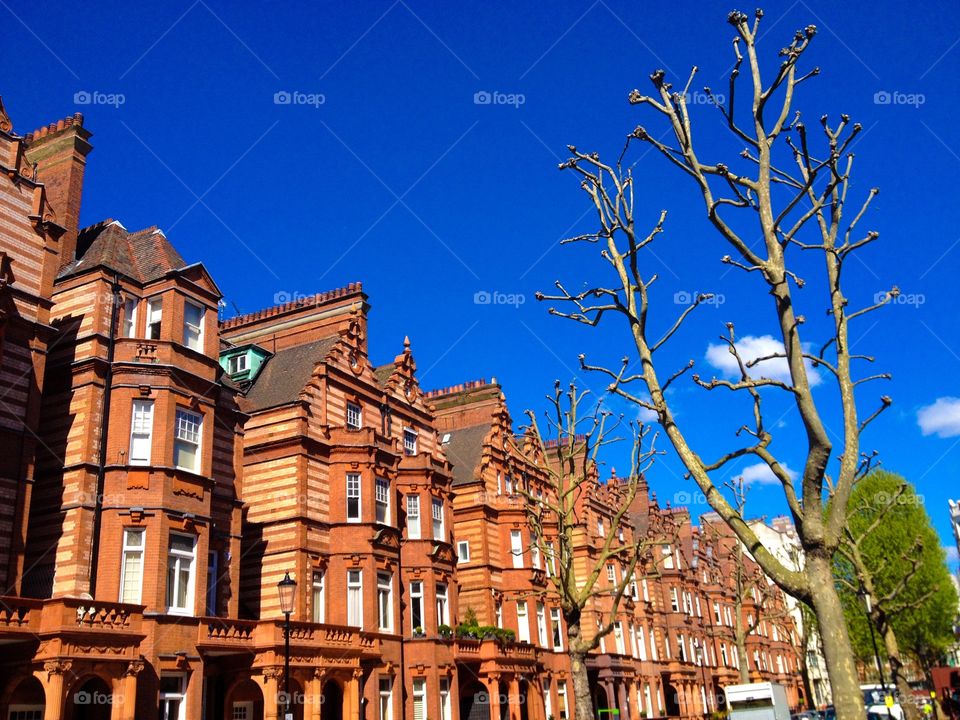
(941, 419)
(953, 555)
(750, 348)
(646, 415)
(761, 474)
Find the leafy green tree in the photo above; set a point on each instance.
(893, 569)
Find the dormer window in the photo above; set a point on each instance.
(154, 312)
(409, 441)
(193, 326)
(238, 364)
(354, 416)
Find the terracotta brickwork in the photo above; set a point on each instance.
(163, 471)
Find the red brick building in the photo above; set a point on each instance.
(162, 471)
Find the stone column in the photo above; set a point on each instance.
(513, 697)
(353, 692)
(633, 689)
(269, 688)
(51, 677)
(313, 698)
(492, 683)
(124, 705)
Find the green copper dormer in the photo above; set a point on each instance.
(243, 362)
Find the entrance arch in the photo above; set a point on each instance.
(90, 698)
(244, 701)
(24, 695)
(332, 701)
(474, 703)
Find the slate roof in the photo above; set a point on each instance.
(464, 450)
(285, 375)
(144, 255)
(383, 373)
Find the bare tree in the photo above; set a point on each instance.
(568, 447)
(792, 196)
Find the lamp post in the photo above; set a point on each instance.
(287, 588)
(868, 603)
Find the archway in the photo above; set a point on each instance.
(90, 699)
(332, 708)
(474, 702)
(25, 699)
(244, 701)
(671, 700)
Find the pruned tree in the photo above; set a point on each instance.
(892, 575)
(567, 445)
(791, 192)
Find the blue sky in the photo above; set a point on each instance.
(386, 166)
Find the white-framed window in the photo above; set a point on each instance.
(667, 555)
(557, 627)
(499, 483)
(186, 440)
(611, 573)
(318, 598)
(355, 598)
(653, 644)
(631, 640)
(681, 648)
(409, 441)
(551, 558)
(645, 588)
(383, 501)
(173, 692)
(523, 622)
(443, 605)
(535, 554)
(444, 698)
(600, 527)
(129, 325)
(419, 699)
(213, 582)
(385, 600)
(562, 699)
(516, 548)
(238, 364)
(541, 625)
(618, 637)
(647, 699)
(154, 318)
(674, 600)
(509, 485)
(181, 565)
(413, 517)
(716, 612)
(386, 698)
(436, 505)
(641, 643)
(498, 613)
(547, 697)
(193, 326)
(141, 432)
(416, 606)
(696, 599)
(354, 416)
(353, 497)
(463, 551)
(723, 655)
(131, 565)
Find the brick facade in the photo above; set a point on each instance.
(162, 471)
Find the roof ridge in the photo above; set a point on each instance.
(295, 304)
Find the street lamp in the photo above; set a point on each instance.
(868, 603)
(287, 588)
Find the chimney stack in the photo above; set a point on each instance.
(60, 152)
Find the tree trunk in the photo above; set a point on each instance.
(841, 666)
(583, 702)
(742, 653)
(897, 678)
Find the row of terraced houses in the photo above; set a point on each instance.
(162, 470)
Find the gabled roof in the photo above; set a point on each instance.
(465, 450)
(286, 374)
(144, 255)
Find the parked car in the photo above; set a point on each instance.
(806, 715)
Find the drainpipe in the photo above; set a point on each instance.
(104, 428)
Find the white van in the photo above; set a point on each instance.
(874, 700)
(757, 701)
